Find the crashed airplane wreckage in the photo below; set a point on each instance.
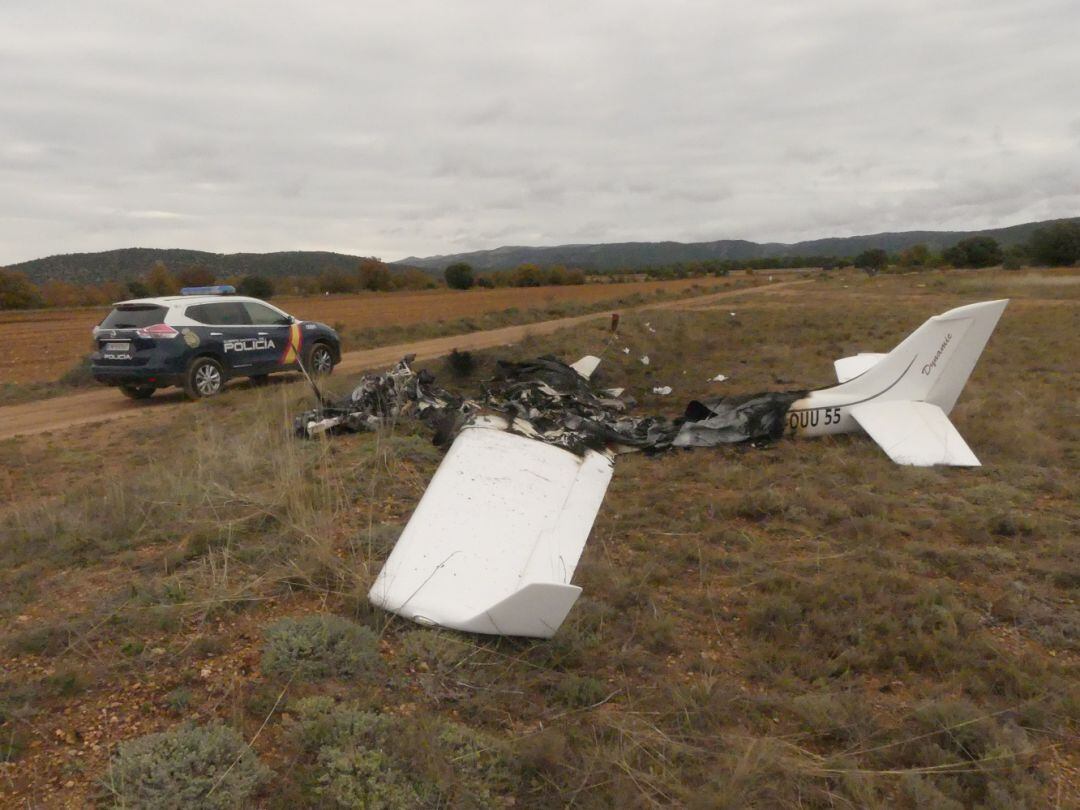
(494, 542)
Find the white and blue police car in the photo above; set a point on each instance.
(201, 338)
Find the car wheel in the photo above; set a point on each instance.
(204, 378)
(318, 360)
(137, 391)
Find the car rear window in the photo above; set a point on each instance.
(134, 316)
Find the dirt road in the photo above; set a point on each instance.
(105, 404)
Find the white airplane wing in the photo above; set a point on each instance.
(914, 433)
(494, 541)
(848, 368)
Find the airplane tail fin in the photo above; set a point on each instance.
(930, 365)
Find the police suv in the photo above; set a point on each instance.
(201, 338)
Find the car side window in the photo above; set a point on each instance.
(220, 314)
(262, 315)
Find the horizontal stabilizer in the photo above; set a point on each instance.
(848, 368)
(914, 433)
(534, 611)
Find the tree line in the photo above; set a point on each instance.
(18, 292)
(1055, 245)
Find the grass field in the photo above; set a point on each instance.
(806, 625)
(40, 345)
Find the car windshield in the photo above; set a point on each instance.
(134, 316)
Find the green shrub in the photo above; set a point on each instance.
(318, 646)
(370, 760)
(576, 691)
(185, 767)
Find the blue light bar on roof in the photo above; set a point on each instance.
(217, 289)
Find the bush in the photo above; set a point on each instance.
(461, 363)
(365, 759)
(1057, 244)
(318, 646)
(256, 287)
(458, 276)
(190, 766)
(872, 261)
(975, 251)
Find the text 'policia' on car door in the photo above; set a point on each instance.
(229, 331)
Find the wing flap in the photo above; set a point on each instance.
(914, 433)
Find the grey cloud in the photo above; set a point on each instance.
(426, 127)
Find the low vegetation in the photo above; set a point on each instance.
(188, 766)
(803, 625)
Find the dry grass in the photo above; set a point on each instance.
(802, 626)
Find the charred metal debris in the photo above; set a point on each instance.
(546, 400)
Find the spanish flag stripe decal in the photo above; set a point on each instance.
(292, 348)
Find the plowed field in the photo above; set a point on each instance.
(41, 345)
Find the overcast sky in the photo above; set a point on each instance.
(441, 126)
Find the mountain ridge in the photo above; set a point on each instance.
(631, 255)
(124, 264)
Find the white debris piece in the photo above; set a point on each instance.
(644, 359)
(718, 378)
(662, 390)
(614, 393)
(626, 350)
(586, 365)
(649, 327)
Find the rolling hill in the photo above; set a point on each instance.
(632, 255)
(128, 263)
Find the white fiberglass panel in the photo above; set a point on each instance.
(502, 513)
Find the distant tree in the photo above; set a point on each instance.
(137, 289)
(412, 279)
(256, 286)
(915, 256)
(528, 275)
(1056, 245)
(17, 291)
(333, 280)
(374, 275)
(1016, 256)
(160, 281)
(873, 261)
(196, 275)
(975, 251)
(485, 282)
(459, 276)
(114, 291)
(60, 294)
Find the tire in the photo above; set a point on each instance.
(318, 360)
(137, 391)
(204, 378)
